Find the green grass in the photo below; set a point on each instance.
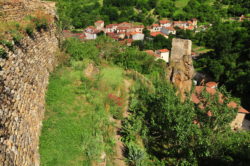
(112, 76)
(77, 129)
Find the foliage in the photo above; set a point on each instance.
(229, 62)
(79, 50)
(29, 30)
(170, 132)
(8, 44)
(3, 53)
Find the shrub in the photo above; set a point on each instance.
(7, 44)
(3, 54)
(29, 30)
(41, 23)
(17, 37)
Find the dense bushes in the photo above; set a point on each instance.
(229, 62)
(163, 129)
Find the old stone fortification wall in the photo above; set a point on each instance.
(16, 10)
(23, 80)
(181, 70)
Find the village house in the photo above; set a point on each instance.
(91, 33)
(165, 23)
(139, 28)
(152, 53)
(154, 34)
(99, 25)
(136, 36)
(163, 54)
(154, 28)
(168, 30)
(111, 28)
(211, 89)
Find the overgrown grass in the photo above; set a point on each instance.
(77, 129)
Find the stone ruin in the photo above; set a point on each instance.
(181, 70)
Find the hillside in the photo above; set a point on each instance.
(88, 102)
(129, 96)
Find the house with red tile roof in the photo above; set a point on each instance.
(138, 28)
(155, 28)
(99, 25)
(164, 54)
(154, 34)
(135, 35)
(152, 53)
(165, 23)
(197, 98)
(111, 28)
(168, 30)
(212, 85)
(91, 33)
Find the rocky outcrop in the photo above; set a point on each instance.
(181, 70)
(24, 75)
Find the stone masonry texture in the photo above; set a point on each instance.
(24, 76)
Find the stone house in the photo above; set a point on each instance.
(168, 30)
(163, 54)
(99, 25)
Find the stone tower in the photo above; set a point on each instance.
(181, 70)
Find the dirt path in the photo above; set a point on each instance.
(119, 147)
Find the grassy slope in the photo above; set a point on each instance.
(77, 129)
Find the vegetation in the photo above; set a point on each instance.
(229, 61)
(15, 31)
(3, 54)
(161, 130)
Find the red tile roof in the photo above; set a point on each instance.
(235, 105)
(156, 25)
(122, 28)
(211, 84)
(170, 28)
(152, 53)
(163, 50)
(196, 98)
(154, 34)
(99, 21)
(164, 21)
(139, 26)
(111, 25)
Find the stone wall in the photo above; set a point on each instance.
(24, 78)
(16, 10)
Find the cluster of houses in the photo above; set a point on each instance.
(129, 32)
